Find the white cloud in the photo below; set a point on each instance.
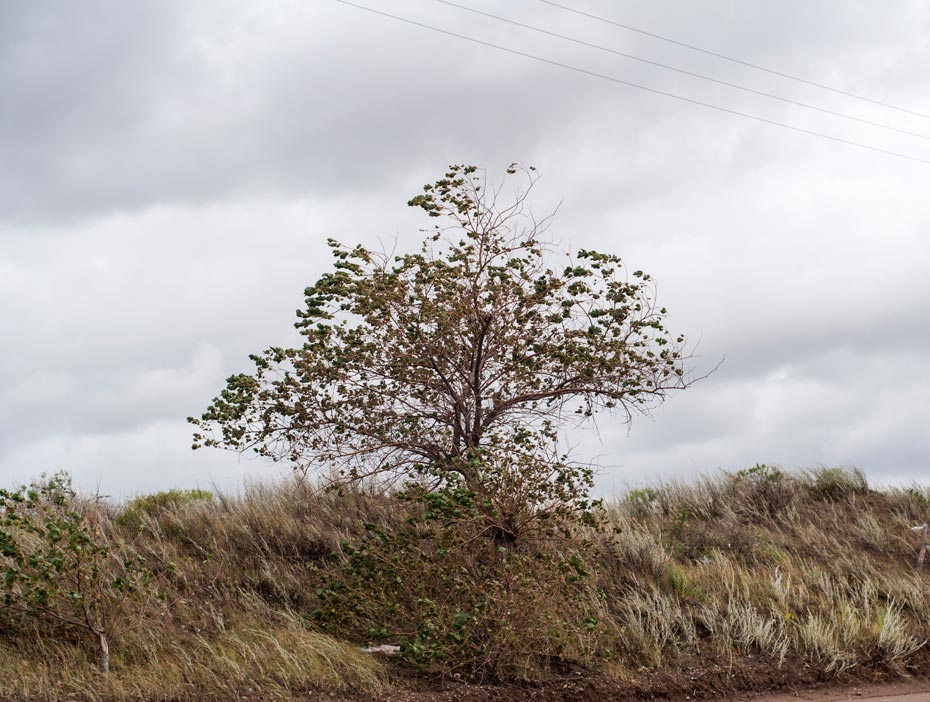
(147, 458)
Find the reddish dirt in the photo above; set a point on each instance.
(745, 680)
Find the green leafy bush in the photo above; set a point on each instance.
(59, 567)
(453, 602)
(760, 473)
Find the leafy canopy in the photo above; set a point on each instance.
(459, 363)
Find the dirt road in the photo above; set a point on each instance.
(903, 691)
(908, 697)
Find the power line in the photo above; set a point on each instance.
(734, 60)
(686, 72)
(635, 85)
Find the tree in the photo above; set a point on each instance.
(458, 364)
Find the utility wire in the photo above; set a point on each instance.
(612, 79)
(734, 60)
(686, 72)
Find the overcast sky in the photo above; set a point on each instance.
(170, 171)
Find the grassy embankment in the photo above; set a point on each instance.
(270, 593)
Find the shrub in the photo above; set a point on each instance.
(58, 566)
(760, 473)
(763, 492)
(454, 603)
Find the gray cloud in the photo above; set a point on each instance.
(162, 103)
(172, 171)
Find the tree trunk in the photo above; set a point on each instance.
(504, 539)
(104, 659)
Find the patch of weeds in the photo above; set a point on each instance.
(762, 492)
(133, 514)
(681, 586)
(676, 530)
(760, 473)
(641, 501)
(834, 484)
(919, 498)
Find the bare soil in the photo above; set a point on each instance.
(744, 680)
